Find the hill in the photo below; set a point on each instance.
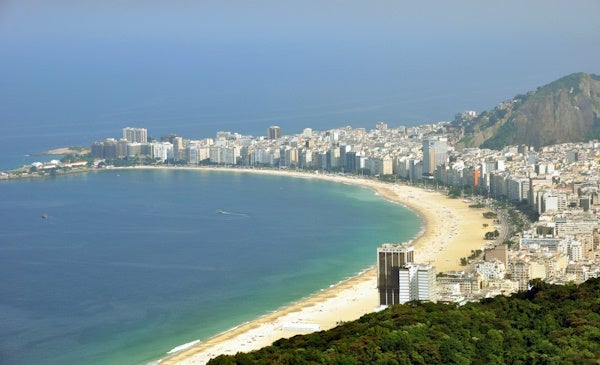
(566, 110)
(547, 325)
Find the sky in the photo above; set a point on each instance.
(196, 67)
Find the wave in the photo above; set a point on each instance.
(182, 347)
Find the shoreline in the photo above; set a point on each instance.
(252, 331)
(449, 231)
(443, 219)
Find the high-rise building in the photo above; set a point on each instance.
(435, 152)
(405, 286)
(381, 126)
(426, 288)
(178, 149)
(416, 282)
(135, 135)
(274, 132)
(105, 149)
(390, 259)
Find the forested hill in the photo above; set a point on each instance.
(547, 325)
(566, 110)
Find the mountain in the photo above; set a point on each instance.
(566, 110)
(549, 324)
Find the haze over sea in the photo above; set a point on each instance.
(73, 72)
(130, 264)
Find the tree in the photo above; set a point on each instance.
(550, 324)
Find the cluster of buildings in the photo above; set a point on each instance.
(351, 150)
(561, 183)
(400, 279)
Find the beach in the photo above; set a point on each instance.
(451, 230)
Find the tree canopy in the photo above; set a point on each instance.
(548, 324)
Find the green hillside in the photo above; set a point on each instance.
(547, 325)
(566, 110)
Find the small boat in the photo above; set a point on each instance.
(219, 211)
(44, 216)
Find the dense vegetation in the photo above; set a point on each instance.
(492, 235)
(490, 215)
(547, 325)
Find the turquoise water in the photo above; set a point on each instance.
(129, 264)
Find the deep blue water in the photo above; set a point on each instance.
(129, 264)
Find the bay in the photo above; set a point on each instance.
(127, 265)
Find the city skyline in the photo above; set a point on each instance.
(73, 73)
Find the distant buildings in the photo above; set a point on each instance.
(274, 132)
(135, 135)
(435, 152)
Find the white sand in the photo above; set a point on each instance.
(451, 231)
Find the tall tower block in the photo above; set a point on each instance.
(435, 152)
(274, 132)
(390, 258)
(135, 135)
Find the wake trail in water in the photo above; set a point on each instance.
(224, 212)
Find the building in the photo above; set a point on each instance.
(416, 282)
(518, 189)
(178, 149)
(391, 257)
(381, 126)
(135, 135)
(274, 132)
(537, 243)
(105, 149)
(406, 289)
(162, 151)
(498, 252)
(522, 271)
(468, 284)
(424, 284)
(491, 269)
(435, 152)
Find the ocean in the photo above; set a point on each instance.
(129, 264)
(119, 267)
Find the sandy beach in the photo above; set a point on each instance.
(451, 231)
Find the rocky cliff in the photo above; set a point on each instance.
(566, 110)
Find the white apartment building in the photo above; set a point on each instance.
(139, 135)
(417, 282)
(162, 150)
